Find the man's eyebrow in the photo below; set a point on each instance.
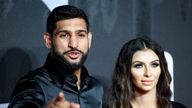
(67, 31)
(82, 31)
(62, 31)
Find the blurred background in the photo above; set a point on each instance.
(113, 22)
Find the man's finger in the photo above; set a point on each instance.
(60, 97)
(74, 105)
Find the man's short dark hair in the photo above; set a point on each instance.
(64, 12)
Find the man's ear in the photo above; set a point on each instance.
(90, 39)
(47, 40)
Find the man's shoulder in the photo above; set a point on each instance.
(28, 89)
(94, 82)
(34, 76)
(33, 80)
(94, 79)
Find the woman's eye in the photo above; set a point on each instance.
(137, 65)
(155, 65)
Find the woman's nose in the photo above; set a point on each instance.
(147, 71)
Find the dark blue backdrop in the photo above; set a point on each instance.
(113, 22)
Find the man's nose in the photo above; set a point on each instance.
(73, 42)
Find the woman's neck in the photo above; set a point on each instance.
(145, 100)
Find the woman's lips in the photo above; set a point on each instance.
(147, 82)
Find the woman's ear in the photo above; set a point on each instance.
(47, 40)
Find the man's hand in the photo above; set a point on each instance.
(60, 102)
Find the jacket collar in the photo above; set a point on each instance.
(60, 74)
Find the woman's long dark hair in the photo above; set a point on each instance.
(121, 91)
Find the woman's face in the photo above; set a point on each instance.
(145, 70)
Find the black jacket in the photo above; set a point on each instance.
(178, 105)
(43, 84)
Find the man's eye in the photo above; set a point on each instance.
(155, 65)
(81, 35)
(137, 65)
(63, 35)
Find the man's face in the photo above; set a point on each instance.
(71, 42)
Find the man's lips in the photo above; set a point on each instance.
(73, 54)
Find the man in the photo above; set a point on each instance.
(63, 80)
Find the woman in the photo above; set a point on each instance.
(141, 78)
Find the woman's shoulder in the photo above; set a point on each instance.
(177, 105)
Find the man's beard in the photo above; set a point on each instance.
(68, 65)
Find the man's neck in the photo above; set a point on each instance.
(78, 75)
